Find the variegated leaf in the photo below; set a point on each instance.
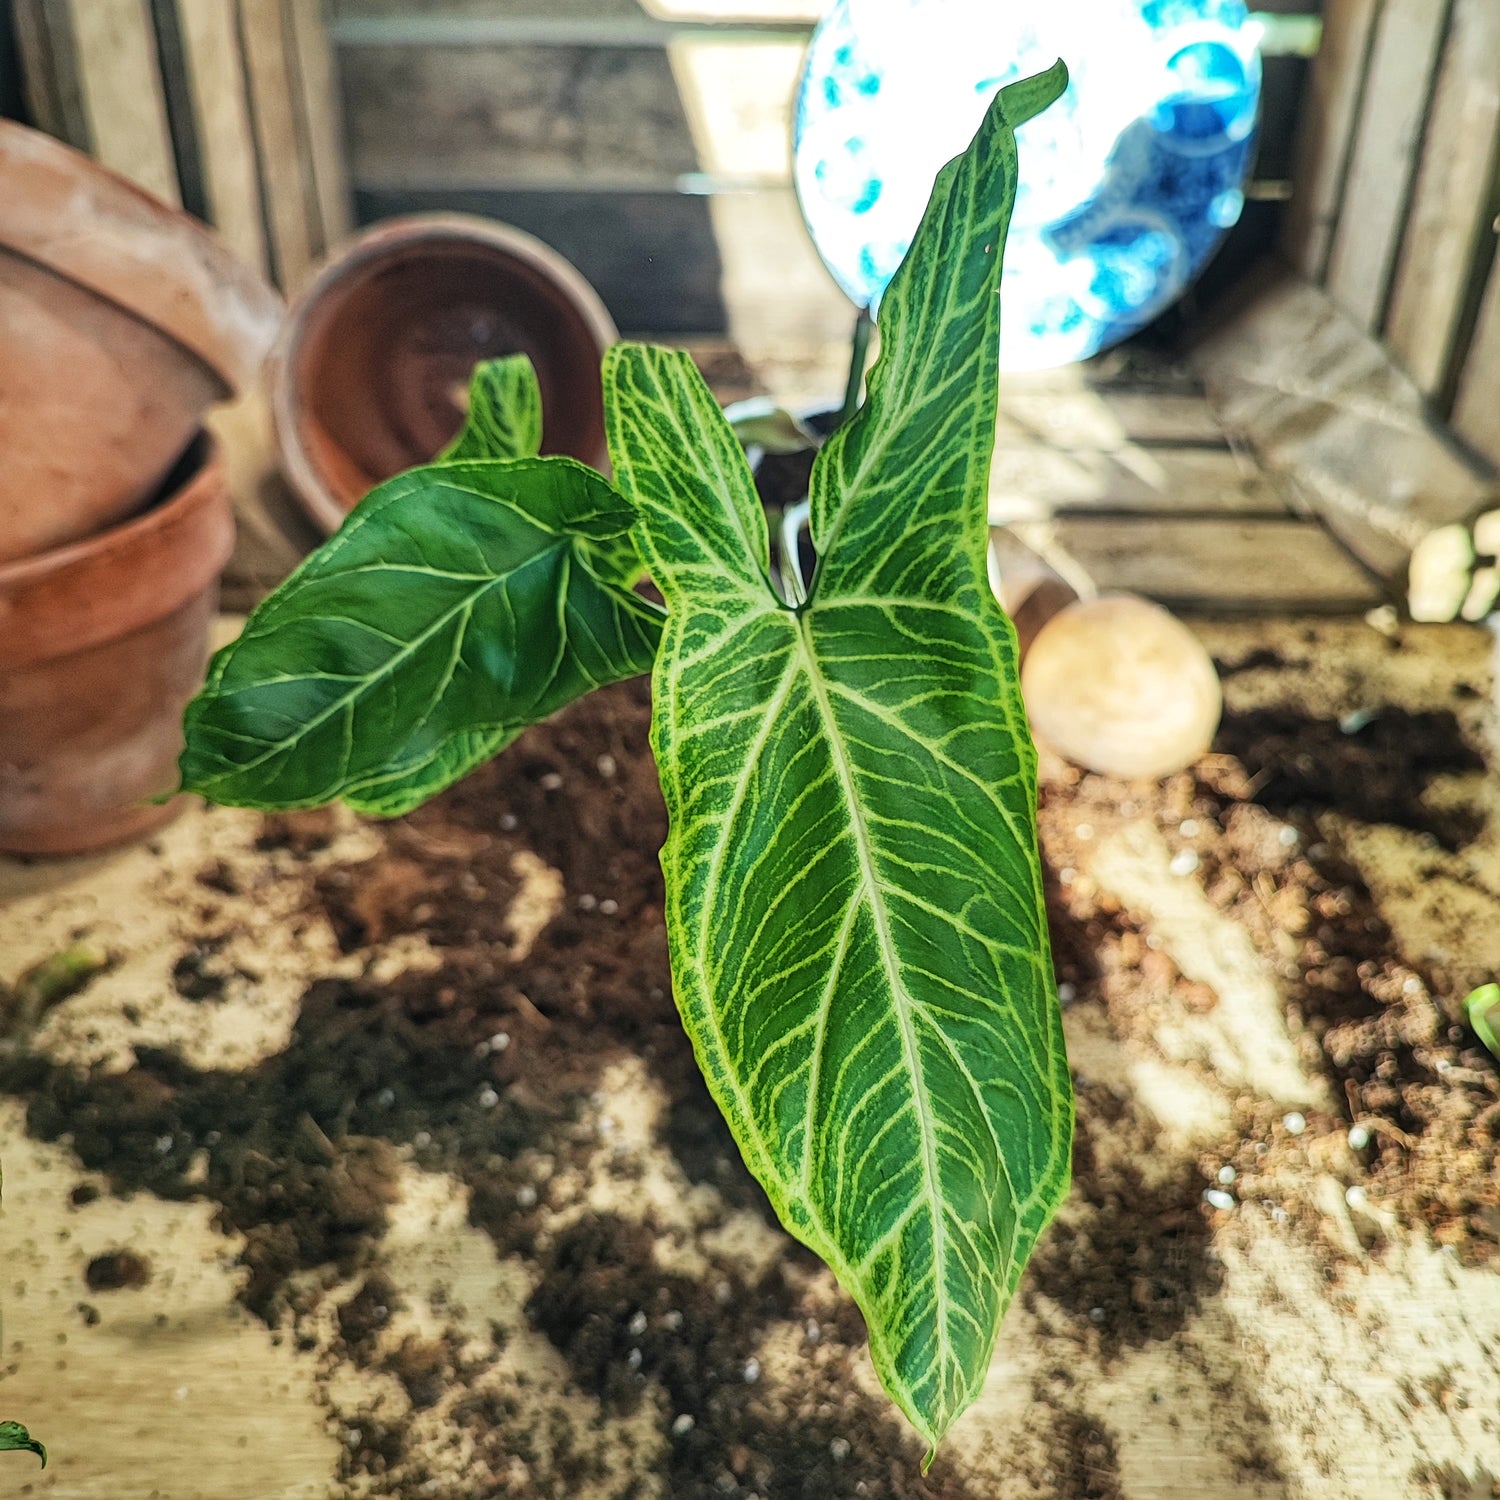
(456, 605)
(854, 897)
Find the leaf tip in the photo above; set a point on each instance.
(1028, 97)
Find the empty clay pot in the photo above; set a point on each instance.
(121, 321)
(102, 643)
(371, 374)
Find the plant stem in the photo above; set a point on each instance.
(859, 352)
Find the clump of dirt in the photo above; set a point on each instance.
(116, 1270)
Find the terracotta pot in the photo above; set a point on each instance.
(121, 321)
(102, 643)
(372, 370)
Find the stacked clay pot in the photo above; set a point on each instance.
(371, 373)
(121, 322)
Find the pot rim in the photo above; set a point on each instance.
(159, 264)
(168, 553)
(353, 262)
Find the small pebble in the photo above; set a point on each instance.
(672, 1320)
(526, 1196)
(683, 1425)
(1218, 1198)
(500, 1041)
(723, 1293)
(1066, 993)
(163, 1144)
(385, 1098)
(1084, 831)
(751, 1371)
(1153, 942)
(1359, 1137)
(1096, 1314)
(1227, 1175)
(606, 765)
(1188, 828)
(609, 906)
(1287, 837)
(422, 1138)
(1278, 1215)
(550, 782)
(637, 1325)
(1184, 862)
(839, 1450)
(633, 1359)
(812, 1333)
(488, 1098)
(587, 902)
(1355, 1196)
(1067, 875)
(1295, 1122)
(509, 822)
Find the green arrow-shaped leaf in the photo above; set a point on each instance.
(457, 604)
(505, 412)
(854, 898)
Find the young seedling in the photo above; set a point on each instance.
(14, 1438)
(853, 889)
(1483, 1006)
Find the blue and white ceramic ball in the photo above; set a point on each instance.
(1127, 183)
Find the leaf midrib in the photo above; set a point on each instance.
(902, 1000)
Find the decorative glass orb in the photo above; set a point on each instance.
(1127, 183)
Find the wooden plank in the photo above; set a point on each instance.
(1215, 565)
(39, 83)
(322, 120)
(728, 12)
(739, 100)
(777, 294)
(1327, 132)
(1328, 412)
(1383, 160)
(429, 118)
(652, 257)
(1447, 235)
(289, 212)
(1031, 480)
(122, 92)
(1060, 408)
(1476, 412)
(221, 116)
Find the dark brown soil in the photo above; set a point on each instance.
(487, 1066)
(1389, 1034)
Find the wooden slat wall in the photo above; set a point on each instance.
(1397, 193)
(229, 107)
(602, 104)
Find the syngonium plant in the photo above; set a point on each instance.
(853, 888)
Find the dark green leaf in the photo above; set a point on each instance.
(505, 413)
(456, 605)
(14, 1437)
(854, 898)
